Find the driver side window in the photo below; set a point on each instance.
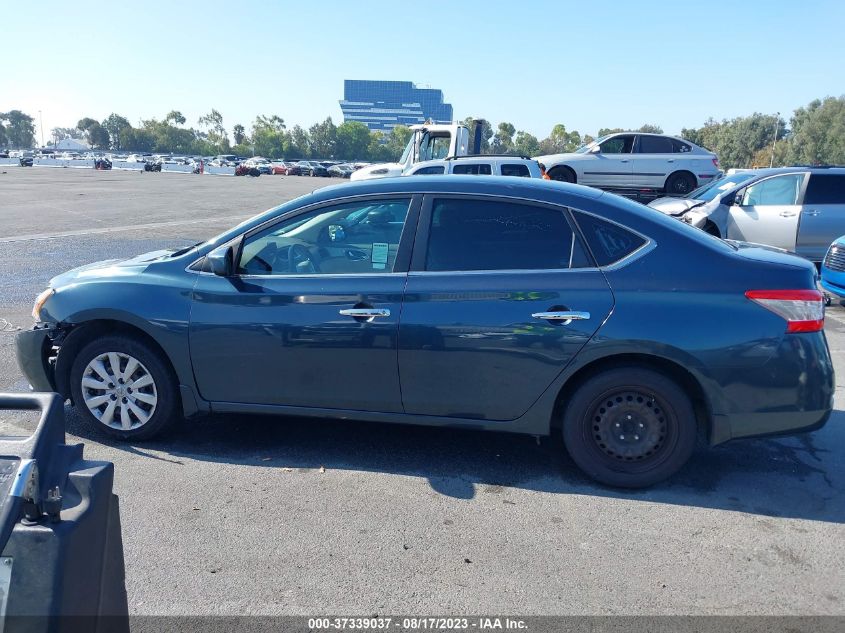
(353, 238)
(778, 190)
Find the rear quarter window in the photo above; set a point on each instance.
(609, 242)
(516, 170)
(825, 189)
(481, 169)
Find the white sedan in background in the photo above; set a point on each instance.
(634, 161)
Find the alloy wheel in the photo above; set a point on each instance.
(119, 391)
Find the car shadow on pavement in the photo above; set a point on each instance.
(794, 477)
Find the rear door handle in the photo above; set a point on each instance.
(564, 317)
(812, 213)
(365, 313)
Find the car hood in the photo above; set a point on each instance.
(108, 268)
(673, 206)
(381, 170)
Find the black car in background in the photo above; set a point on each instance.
(312, 168)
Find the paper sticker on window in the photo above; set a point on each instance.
(379, 256)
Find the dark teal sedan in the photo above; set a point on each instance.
(502, 304)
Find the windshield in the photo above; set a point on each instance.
(710, 191)
(586, 148)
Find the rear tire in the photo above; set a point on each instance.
(124, 388)
(680, 183)
(562, 174)
(630, 427)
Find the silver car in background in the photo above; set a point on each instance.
(798, 209)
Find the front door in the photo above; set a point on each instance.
(767, 212)
(311, 319)
(822, 214)
(612, 166)
(501, 298)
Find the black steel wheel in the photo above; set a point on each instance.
(680, 183)
(629, 427)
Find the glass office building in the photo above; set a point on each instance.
(381, 105)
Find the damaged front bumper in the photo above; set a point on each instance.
(34, 350)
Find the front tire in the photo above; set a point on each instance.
(630, 427)
(124, 388)
(562, 174)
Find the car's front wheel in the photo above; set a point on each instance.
(124, 388)
(630, 427)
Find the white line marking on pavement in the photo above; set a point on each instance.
(114, 229)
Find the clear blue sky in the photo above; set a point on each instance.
(584, 64)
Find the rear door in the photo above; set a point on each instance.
(767, 211)
(822, 215)
(500, 298)
(653, 161)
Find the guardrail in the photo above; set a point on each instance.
(62, 162)
(10, 162)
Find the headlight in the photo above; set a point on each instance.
(40, 300)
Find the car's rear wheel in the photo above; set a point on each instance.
(124, 388)
(563, 174)
(630, 427)
(680, 183)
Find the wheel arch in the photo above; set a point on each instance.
(669, 368)
(81, 334)
(678, 172)
(561, 167)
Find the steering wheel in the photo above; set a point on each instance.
(298, 254)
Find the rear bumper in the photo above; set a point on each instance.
(32, 347)
(791, 393)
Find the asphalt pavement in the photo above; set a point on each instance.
(267, 515)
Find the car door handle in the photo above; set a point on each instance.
(365, 313)
(788, 214)
(565, 317)
(623, 160)
(812, 213)
(671, 160)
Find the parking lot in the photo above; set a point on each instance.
(264, 515)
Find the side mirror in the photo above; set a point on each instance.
(736, 199)
(595, 149)
(221, 261)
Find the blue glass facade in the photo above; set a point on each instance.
(381, 105)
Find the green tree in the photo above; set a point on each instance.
(3, 138)
(379, 149)
(269, 137)
(486, 133)
(503, 139)
(299, 143)
(137, 140)
(818, 133)
(648, 128)
(560, 141)
(19, 129)
(238, 133)
(353, 140)
(114, 124)
(737, 141)
(526, 144)
(174, 117)
(396, 142)
(95, 134)
(215, 132)
(323, 139)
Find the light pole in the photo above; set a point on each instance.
(777, 122)
(41, 127)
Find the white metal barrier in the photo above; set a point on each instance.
(62, 162)
(10, 162)
(122, 164)
(219, 171)
(179, 169)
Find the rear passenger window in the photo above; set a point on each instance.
(474, 170)
(516, 170)
(679, 147)
(655, 145)
(609, 242)
(429, 171)
(486, 235)
(825, 189)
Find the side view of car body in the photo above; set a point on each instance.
(480, 165)
(507, 304)
(833, 269)
(798, 209)
(631, 161)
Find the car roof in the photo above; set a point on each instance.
(529, 188)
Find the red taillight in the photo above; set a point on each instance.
(803, 310)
